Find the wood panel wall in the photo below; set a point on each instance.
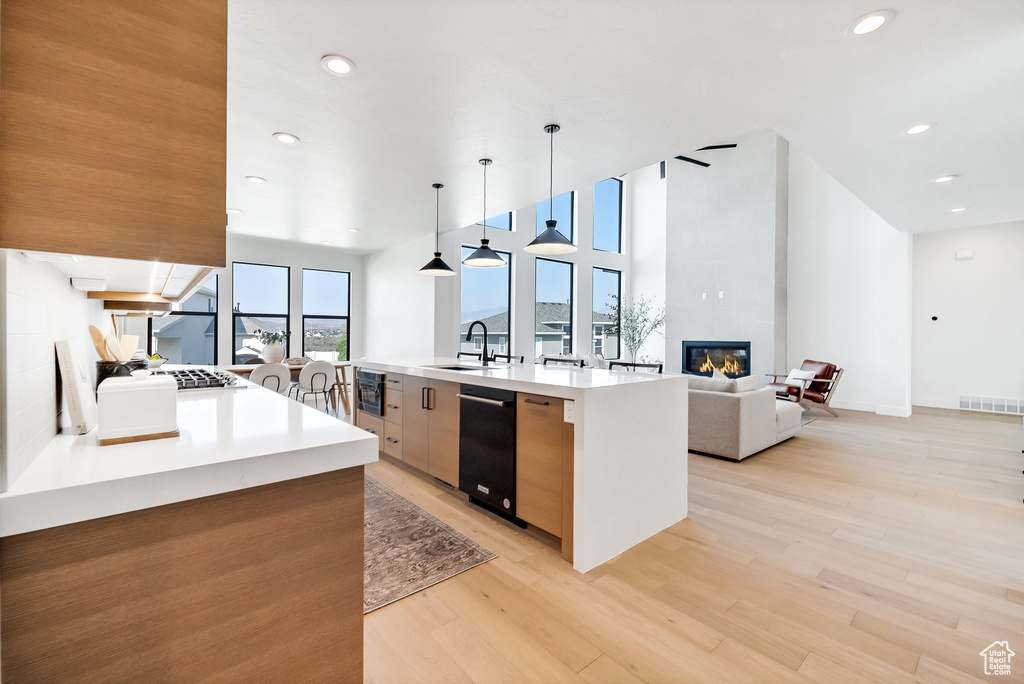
(258, 585)
(113, 121)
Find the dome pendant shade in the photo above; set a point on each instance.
(437, 267)
(550, 241)
(484, 256)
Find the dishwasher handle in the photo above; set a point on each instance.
(484, 400)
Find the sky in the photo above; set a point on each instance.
(264, 289)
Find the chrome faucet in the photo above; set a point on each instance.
(469, 336)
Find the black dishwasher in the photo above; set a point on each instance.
(487, 447)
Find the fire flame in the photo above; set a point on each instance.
(729, 366)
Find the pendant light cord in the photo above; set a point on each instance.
(485, 201)
(551, 177)
(437, 218)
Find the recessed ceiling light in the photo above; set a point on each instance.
(871, 21)
(353, 230)
(338, 65)
(944, 179)
(287, 138)
(957, 210)
(917, 129)
(326, 242)
(256, 179)
(232, 210)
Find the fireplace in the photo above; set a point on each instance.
(702, 357)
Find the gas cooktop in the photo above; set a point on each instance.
(200, 378)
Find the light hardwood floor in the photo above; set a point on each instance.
(867, 549)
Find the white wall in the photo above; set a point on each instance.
(725, 239)
(297, 256)
(974, 347)
(400, 301)
(849, 291)
(40, 307)
(645, 204)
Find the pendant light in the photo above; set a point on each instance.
(436, 266)
(550, 241)
(484, 255)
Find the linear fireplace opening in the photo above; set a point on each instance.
(702, 357)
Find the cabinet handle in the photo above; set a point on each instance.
(431, 401)
(372, 432)
(423, 398)
(484, 400)
(534, 401)
(394, 381)
(389, 439)
(390, 406)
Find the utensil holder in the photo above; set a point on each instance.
(117, 369)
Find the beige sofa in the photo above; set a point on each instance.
(735, 424)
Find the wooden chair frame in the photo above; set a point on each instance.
(805, 383)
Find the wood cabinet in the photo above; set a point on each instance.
(539, 461)
(256, 585)
(393, 400)
(443, 462)
(113, 140)
(371, 424)
(430, 427)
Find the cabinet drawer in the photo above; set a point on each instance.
(393, 381)
(393, 405)
(372, 424)
(393, 440)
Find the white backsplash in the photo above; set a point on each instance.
(40, 307)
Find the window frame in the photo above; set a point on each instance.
(618, 309)
(460, 338)
(287, 316)
(572, 305)
(571, 237)
(619, 240)
(347, 318)
(511, 222)
(209, 314)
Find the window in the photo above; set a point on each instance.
(501, 221)
(553, 312)
(188, 336)
(607, 293)
(325, 314)
(261, 295)
(608, 215)
(487, 297)
(562, 214)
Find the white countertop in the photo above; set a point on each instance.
(564, 382)
(229, 439)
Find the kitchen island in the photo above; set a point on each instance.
(233, 551)
(623, 477)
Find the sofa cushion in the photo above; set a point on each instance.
(699, 382)
(816, 397)
(787, 416)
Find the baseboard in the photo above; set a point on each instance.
(898, 411)
(854, 406)
(937, 403)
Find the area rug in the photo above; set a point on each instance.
(407, 550)
(807, 417)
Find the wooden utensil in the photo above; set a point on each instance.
(113, 324)
(99, 342)
(113, 349)
(129, 343)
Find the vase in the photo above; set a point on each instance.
(273, 352)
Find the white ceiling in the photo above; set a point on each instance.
(440, 84)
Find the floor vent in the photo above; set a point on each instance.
(992, 404)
